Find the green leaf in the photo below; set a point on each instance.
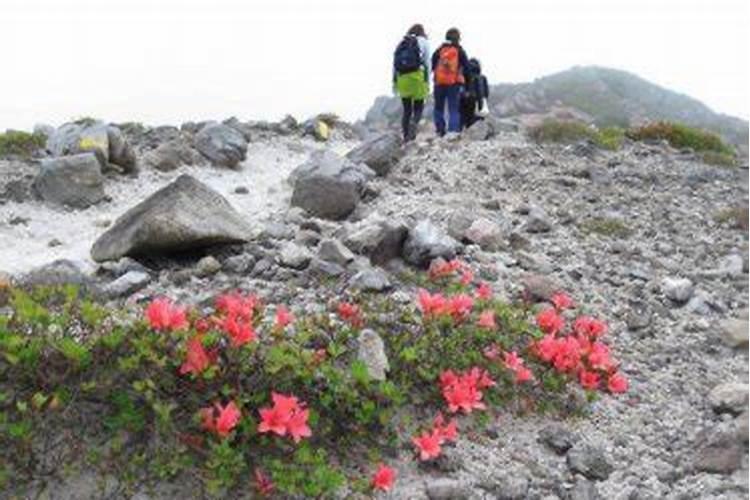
(360, 373)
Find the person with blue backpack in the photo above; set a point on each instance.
(411, 72)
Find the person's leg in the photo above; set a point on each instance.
(465, 103)
(468, 117)
(406, 117)
(417, 117)
(439, 112)
(454, 117)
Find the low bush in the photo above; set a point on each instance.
(606, 226)
(736, 217)
(681, 136)
(251, 394)
(567, 131)
(719, 159)
(16, 142)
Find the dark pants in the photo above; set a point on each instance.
(411, 117)
(468, 111)
(447, 94)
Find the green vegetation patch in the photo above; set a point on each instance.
(736, 217)
(16, 142)
(681, 136)
(606, 226)
(568, 131)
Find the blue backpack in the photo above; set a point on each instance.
(407, 57)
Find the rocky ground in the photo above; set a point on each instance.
(648, 237)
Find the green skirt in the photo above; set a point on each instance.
(412, 85)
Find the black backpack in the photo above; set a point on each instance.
(407, 57)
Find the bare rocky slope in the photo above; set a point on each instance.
(648, 237)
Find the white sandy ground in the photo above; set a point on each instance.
(264, 172)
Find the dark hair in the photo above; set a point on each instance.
(417, 30)
(453, 35)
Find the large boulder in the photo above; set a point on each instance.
(328, 186)
(107, 142)
(427, 242)
(380, 152)
(221, 144)
(184, 215)
(74, 181)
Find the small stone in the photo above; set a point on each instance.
(324, 268)
(742, 426)
(590, 461)
(128, 283)
(427, 242)
(294, 256)
(538, 221)
(241, 190)
(371, 280)
(54, 242)
(239, 264)
(487, 234)
(719, 451)
(539, 288)
(511, 486)
(678, 290)
(557, 437)
(207, 266)
(446, 489)
(331, 250)
(734, 332)
(731, 397)
(371, 351)
(17, 220)
(584, 490)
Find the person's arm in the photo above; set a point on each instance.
(435, 57)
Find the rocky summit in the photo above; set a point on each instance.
(648, 236)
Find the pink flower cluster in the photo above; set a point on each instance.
(429, 443)
(287, 416)
(579, 351)
(463, 391)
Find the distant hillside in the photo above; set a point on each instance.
(607, 96)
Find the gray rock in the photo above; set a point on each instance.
(446, 489)
(742, 426)
(74, 181)
(332, 250)
(172, 155)
(584, 490)
(487, 234)
(511, 486)
(539, 288)
(294, 256)
(325, 269)
(128, 283)
(426, 242)
(731, 397)
(239, 264)
(119, 267)
(371, 280)
(371, 352)
(221, 144)
(121, 153)
(481, 130)
(82, 137)
(381, 240)
(43, 130)
(538, 221)
(734, 332)
(590, 461)
(557, 437)
(207, 266)
(184, 215)
(678, 290)
(719, 450)
(328, 186)
(380, 152)
(731, 265)
(58, 272)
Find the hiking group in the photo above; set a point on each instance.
(458, 81)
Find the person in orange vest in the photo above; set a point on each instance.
(449, 63)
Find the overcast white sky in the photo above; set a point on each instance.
(174, 60)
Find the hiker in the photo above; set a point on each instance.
(449, 63)
(476, 91)
(411, 70)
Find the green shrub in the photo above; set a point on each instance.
(610, 138)
(564, 131)
(66, 364)
(719, 159)
(606, 226)
(16, 142)
(681, 136)
(736, 217)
